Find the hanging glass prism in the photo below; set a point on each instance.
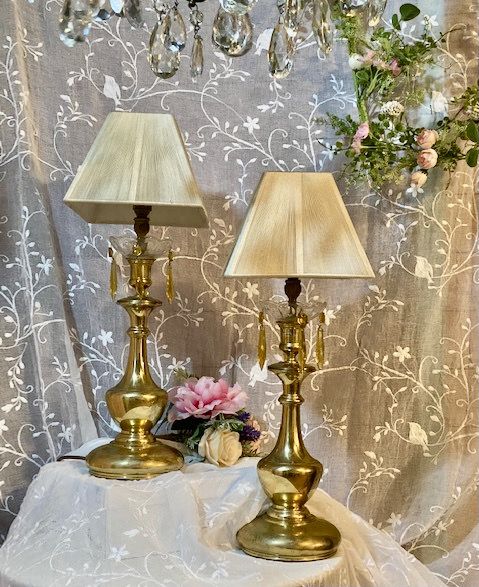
(232, 33)
(322, 25)
(163, 62)
(175, 31)
(196, 67)
(75, 21)
(237, 6)
(133, 11)
(104, 12)
(352, 7)
(117, 6)
(291, 15)
(375, 11)
(281, 51)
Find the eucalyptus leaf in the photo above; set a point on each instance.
(409, 11)
(472, 132)
(471, 157)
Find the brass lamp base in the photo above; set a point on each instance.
(299, 536)
(140, 458)
(289, 474)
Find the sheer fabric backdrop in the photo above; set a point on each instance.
(393, 417)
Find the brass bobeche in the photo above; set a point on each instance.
(136, 403)
(289, 475)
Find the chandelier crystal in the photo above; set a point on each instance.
(231, 33)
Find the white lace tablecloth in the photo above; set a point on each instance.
(179, 530)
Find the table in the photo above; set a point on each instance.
(179, 530)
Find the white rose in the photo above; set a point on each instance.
(220, 447)
(356, 61)
(439, 103)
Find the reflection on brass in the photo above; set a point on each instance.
(320, 343)
(113, 274)
(287, 531)
(136, 403)
(261, 340)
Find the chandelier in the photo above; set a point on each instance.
(232, 30)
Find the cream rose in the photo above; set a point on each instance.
(427, 158)
(427, 138)
(418, 178)
(220, 447)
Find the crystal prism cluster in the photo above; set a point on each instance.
(232, 30)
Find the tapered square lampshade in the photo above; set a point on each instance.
(298, 226)
(137, 159)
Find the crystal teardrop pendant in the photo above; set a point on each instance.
(322, 25)
(291, 15)
(237, 6)
(75, 21)
(281, 51)
(232, 33)
(133, 11)
(175, 31)
(163, 62)
(375, 11)
(196, 67)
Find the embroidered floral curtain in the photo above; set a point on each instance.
(393, 416)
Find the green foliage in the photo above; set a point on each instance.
(387, 64)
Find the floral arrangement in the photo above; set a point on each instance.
(383, 145)
(209, 417)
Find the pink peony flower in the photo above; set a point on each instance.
(362, 131)
(205, 398)
(395, 68)
(427, 158)
(427, 138)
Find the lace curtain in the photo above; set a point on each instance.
(392, 416)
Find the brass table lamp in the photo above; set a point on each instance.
(297, 226)
(137, 170)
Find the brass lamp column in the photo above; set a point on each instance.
(136, 403)
(137, 168)
(289, 474)
(297, 226)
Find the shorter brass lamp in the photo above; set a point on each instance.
(137, 170)
(297, 227)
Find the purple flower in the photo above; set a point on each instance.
(249, 434)
(243, 416)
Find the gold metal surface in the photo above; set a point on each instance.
(287, 531)
(136, 403)
(261, 341)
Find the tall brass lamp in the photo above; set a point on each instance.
(137, 171)
(297, 227)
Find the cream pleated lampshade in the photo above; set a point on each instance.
(298, 226)
(137, 159)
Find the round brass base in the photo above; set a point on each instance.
(117, 461)
(295, 538)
